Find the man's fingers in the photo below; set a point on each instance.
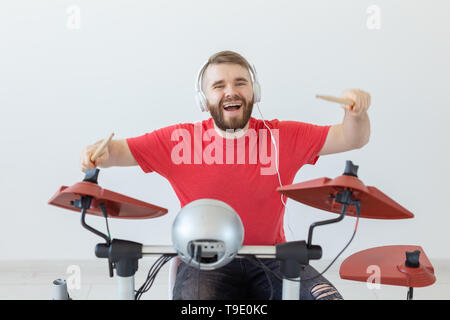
(357, 105)
(365, 99)
(87, 166)
(101, 158)
(361, 100)
(358, 101)
(91, 166)
(346, 107)
(87, 162)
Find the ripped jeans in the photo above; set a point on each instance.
(241, 280)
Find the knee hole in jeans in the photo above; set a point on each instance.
(325, 292)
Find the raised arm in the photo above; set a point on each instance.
(354, 131)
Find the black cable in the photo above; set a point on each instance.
(150, 278)
(334, 260)
(267, 276)
(194, 256)
(198, 254)
(409, 296)
(253, 259)
(152, 273)
(358, 213)
(198, 284)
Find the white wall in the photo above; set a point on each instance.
(130, 69)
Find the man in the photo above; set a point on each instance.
(227, 158)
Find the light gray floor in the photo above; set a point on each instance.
(32, 280)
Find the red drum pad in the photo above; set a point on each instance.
(117, 205)
(320, 193)
(391, 261)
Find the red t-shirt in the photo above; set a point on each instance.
(200, 164)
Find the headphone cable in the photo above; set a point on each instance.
(277, 169)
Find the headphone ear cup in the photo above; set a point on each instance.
(256, 92)
(201, 101)
(198, 101)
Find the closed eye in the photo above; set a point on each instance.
(239, 84)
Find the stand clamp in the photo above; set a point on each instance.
(123, 254)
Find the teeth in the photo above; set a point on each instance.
(231, 105)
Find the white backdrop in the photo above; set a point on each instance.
(128, 67)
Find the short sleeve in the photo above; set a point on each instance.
(303, 141)
(152, 150)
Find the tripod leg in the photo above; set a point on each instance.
(126, 288)
(291, 289)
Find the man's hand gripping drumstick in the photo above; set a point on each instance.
(354, 131)
(95, 155)
(355, 101)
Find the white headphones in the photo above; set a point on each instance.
(201, 98)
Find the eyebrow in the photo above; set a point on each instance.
(236, 79)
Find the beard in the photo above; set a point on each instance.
(235, 122)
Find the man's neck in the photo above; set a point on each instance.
(230, 133)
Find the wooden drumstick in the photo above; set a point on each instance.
(348, 102)
(101, 148)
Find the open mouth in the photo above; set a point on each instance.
(232, 107)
